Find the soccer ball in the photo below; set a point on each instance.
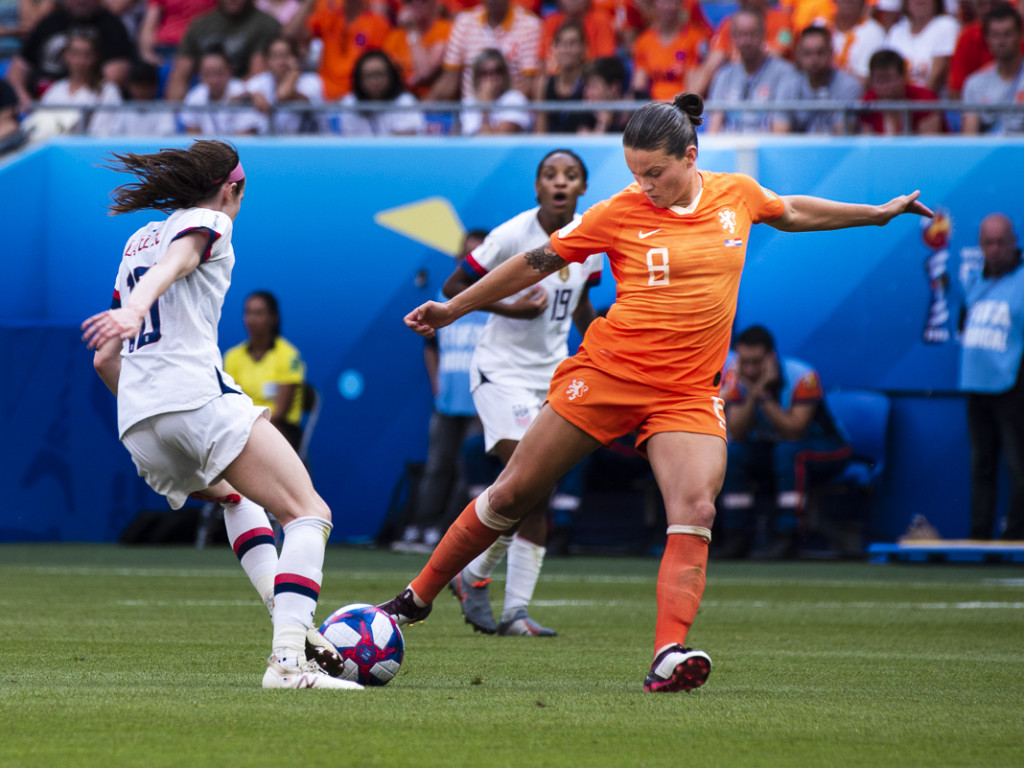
(368, 641)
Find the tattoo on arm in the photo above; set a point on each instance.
(544, 259)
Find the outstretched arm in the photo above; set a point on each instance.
(182, 256)
(514, 275)
(811, 214)
(524, 308)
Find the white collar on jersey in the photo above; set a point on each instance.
(692, 206)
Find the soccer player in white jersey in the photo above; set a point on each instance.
(189, 428)
(523, 342)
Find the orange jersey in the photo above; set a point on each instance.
(396, 45)
(778, 34)
(677, 273)
(598, 33)
(806, 13)
(667, 65)
(343, 43)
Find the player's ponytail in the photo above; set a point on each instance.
(172, 179)
(691, 105)
(659, 125)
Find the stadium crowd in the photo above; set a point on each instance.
(397, 67)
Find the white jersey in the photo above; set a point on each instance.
(224, 122)
(174, 363)
(520, 352)
(938, 38)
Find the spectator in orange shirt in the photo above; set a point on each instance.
(806, 13)
(628, 19)
(598, 32)
(347, 30)
(417, 44)
(778, 39)
(666, 53)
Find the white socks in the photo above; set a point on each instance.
(252, 539)
(525, 560)
(488, 560)
(297, 585)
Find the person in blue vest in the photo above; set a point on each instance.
(781, 435)
(990, 372)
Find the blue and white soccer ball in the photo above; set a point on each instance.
(368, 641)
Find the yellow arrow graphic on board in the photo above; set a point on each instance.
(431, 221)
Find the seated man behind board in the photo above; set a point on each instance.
(780, 434)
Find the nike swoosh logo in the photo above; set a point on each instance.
(644, 235)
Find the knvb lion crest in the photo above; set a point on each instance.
(727, 218)
(576, 389)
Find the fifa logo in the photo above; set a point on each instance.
(936, 234)
(576, 389)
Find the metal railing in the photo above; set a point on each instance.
(849, 112)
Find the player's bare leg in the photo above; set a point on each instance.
(526, 550)
(689, 469)
(250, 536)
(550, 447)
(269, 472)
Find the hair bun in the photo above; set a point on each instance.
(691, 105)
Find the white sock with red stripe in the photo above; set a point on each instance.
(297, 585)
(252, 539)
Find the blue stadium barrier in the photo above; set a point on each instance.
(350, 234)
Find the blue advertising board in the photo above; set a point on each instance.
(353, 234)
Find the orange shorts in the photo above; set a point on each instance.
(606, 406)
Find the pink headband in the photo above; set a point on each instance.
(238, 174)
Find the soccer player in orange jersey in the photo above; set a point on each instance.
(675, 240)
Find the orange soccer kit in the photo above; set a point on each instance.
(659, 353)
(655, 362)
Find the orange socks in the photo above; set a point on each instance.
(681, 581)
(466, 538)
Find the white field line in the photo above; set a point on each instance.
(189, 603)
(742, 604)
(793, 582)
(228, 571)
(802, 605)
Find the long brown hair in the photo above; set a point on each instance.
(172, 179)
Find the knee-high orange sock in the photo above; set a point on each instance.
(681, 581)
(466, 538)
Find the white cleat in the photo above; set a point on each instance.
(306, 675)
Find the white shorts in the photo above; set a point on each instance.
(181, 452)
(506, 411)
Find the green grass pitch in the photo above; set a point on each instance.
(151, 657)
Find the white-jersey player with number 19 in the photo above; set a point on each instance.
(188, 427)
(522, 344)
